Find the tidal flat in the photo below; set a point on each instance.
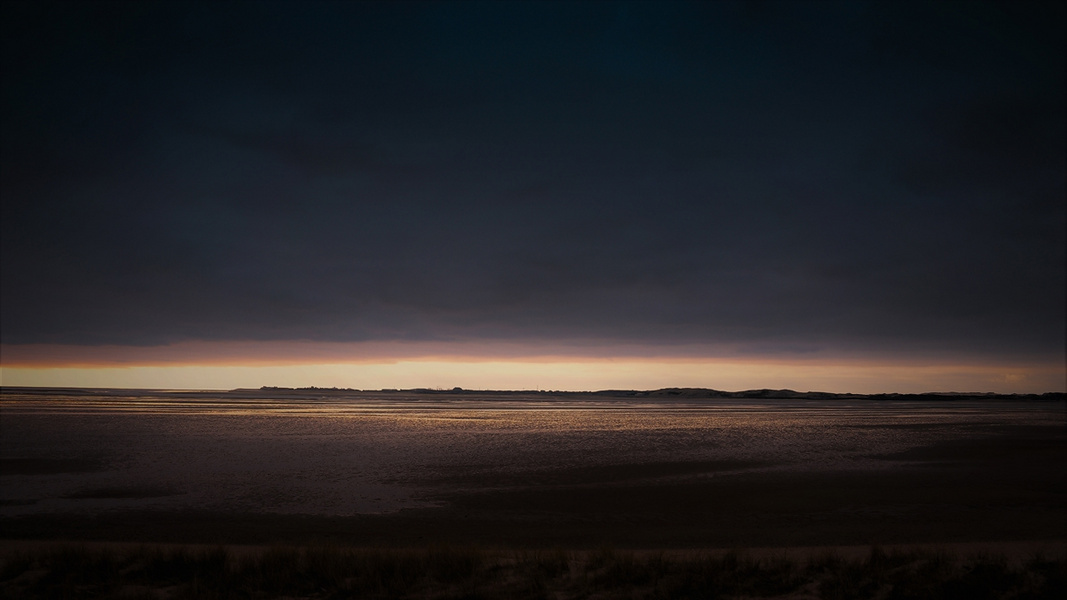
(528, 471)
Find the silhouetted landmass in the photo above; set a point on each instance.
(694, 393)
(665, 393)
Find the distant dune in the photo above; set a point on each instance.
(664, 393)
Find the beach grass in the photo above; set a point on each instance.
(154, 572)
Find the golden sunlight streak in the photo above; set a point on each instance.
(562, 373)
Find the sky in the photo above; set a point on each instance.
(856, 196)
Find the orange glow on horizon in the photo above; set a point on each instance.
(500, 365)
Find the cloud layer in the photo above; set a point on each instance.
(783, 177)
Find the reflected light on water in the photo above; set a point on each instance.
(367, 452)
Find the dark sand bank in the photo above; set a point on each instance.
(936, 501)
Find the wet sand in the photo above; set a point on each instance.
(1004, 488)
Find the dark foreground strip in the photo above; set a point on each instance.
(449, 573)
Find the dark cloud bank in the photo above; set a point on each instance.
(886, 177)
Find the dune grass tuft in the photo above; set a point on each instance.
(469, 573)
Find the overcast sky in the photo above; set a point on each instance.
(776, 178)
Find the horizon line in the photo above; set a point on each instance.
(460, 390)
